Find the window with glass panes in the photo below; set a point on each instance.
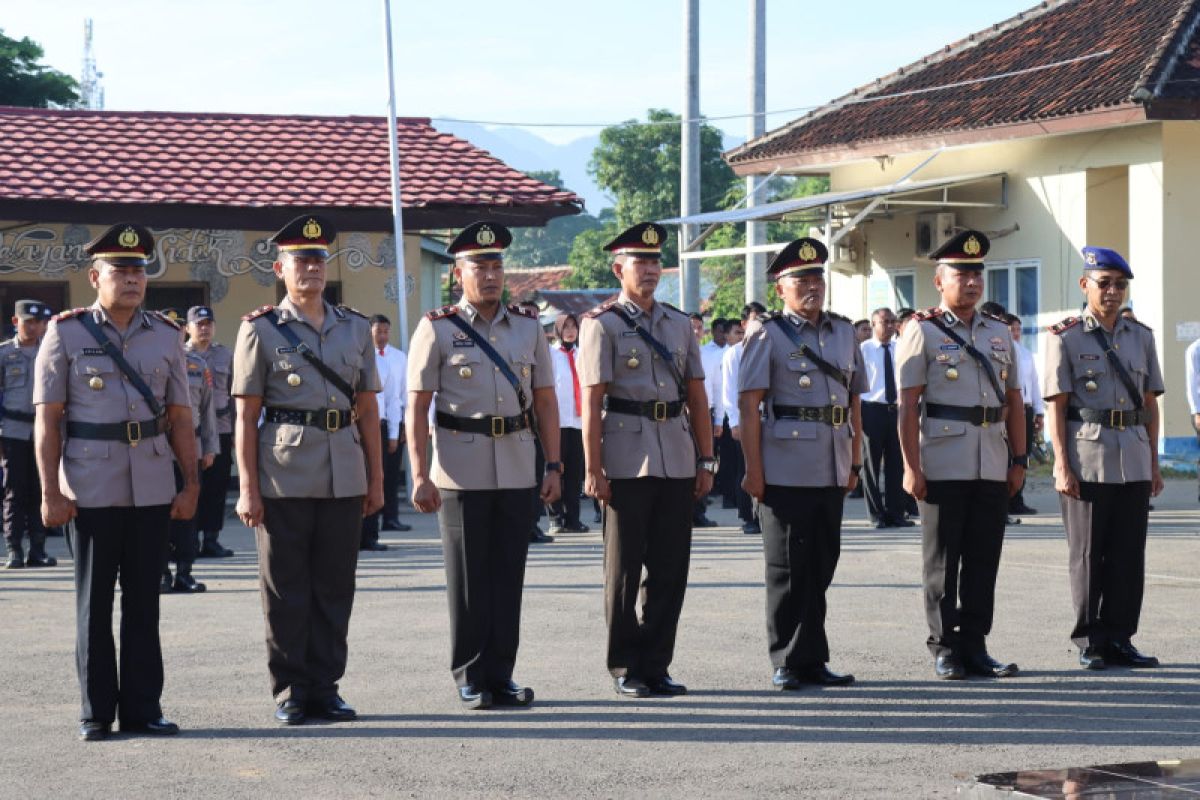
(1015, 285)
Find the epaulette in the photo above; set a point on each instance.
(600, 309)
(673, 308)
(256, 313)
(74, 312)
(836, 315)
(1070, 322)
(515, 309)
(928, 313)
(161, 317)
(444, 311)
(1142, 324)
(352, 310)
(995, 317)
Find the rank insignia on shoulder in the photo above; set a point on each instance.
(928, 313)
(1068, 323)
(524, 312)
(352, 310)
(258, 312)
(444, 311)
(993, 317)
(74, 312)
(673, 308)
(161, 317)
(600, 309)
(835, 315)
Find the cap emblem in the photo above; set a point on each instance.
(650, 236)
(1090, 258)
(972, 247)
(808, 252)
(485, 236)
(311, 230)
(128, 238)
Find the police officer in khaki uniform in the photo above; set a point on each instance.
(214, 481)
(182, 548)
(646, 460)
(1101, 380)
(112, 378)
(960, 362)
(804, 368)
(310, 473)
(22, 490)
(490, 367)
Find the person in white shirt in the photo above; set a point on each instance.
(1031, 393)
(392, 364)
(564, 514)
(1192, 358)
(700, 518)
(883, 473)
(710, 357)
(730, 363)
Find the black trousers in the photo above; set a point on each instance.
(485, 538)
(1106, 542)
(731, 467)
(962, 533)
(802, 540)
(393, 464)
(22, 496)
(647, 526)
(131, 543)
(181, 546)
(372, 523)
(566, 510)
(883, 477)
(214, 486)
(307, 555)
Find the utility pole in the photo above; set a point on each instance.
(397, 208)
(756, 232)
(689, 173)
(91, 93)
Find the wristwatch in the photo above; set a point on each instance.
(554, 466)
(1019, 461)
(708, 464)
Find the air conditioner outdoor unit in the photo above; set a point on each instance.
(933, 230)
(847, 254)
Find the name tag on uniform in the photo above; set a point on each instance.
(463, 343)
(93, 351)
(629, 333)
(1089, 357)
(948, 347)
(283, 350)
(1000, 348)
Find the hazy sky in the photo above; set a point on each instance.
(513, 60)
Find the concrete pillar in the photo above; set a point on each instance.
(756, 232)
(689, 189)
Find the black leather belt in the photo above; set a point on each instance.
(656, 410)
(19, 416)
(327, 419)
(976, 415)
(491, 426)
(1109, 417)
(226, 411)
(834, 415)
(888, 406)
(128, 432)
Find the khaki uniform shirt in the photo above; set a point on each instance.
(200, 392)
(443, 359)
(1077, 366)
(952, 450)
(100, 474)
(302, 460)
(796, 453)
(612, 353)
(220, 365)
(16, 387)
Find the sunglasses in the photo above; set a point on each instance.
(1104, 284)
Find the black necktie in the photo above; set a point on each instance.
(889, 375)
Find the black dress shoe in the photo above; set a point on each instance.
(16, 559)
(751, 528)
(665, 686)
(576, 527)
(985, 666)
(703, 521)
(786, 680)
(821, 675)
(631, 687)
(537, 537)
(1124, 654)
(334, 709)
(948, 667)
(290, 712)
(92, 731)
(186, 584)
(1021, 508)
(41, 560)
(394, 524)
(1011, 520)
(474, 698)
(153, 727)
(214, 550)
(1092, 657)
(903, 522)
(374, 547)
(510, 694)
(165, 583)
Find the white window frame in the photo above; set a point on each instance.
(1030, 326)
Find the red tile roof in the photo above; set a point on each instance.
(248, 161)
(523, 282)
(1151, 59)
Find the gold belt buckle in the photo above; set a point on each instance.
(1116, 419)
(660, 411)
(837, 416)
(332, 420)
(497, 427)
(133, 432)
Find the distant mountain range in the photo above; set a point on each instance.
(527, 152)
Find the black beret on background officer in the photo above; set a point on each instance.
(310, 473)
(490, 368)
(214, 481)
(1102, 381)
(646, 460)
(22, 489)
(957, 365)
(112, 376)
(804, 368)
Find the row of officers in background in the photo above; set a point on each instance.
(309, 440)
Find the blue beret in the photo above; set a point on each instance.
(1103, 258)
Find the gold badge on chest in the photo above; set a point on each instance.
(465, 372)
(805, 381)
(633, 361)
(1091, 386)
(952, 373)
(96, 382)
(294, 379)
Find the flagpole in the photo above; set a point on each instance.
(397, 210)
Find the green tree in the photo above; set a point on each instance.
(25, 82)
(591, 267)
(550, 245)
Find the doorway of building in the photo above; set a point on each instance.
(52, 294)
